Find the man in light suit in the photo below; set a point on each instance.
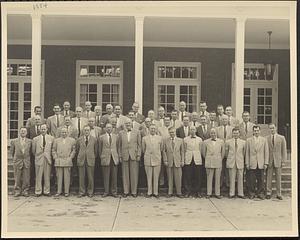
(95, 131)
(98, 116)
(235, 151)
(71, 130)
(135, 125)
(145, 130)
(182, 111)
(195, 120)
(246, 126)
(151, 115)
(175, 123)
(257, 160)
(55, 121)
(213, 122)
(173, 157)
(66, 110)
(203, 109)
(193, 164)
(79, 122)
(37, 112)
(20, 149)
(213, 151)
(220, 113)
(130, 147)
(184, 130)
(63, 151)
(88, 110)
(109, 155)
(277, 156)
(121, 119)
(152, 147)
(41, 149)
(87, 149)
(161, 116)
(232, 121)
(203, 130)
(109, 114)
(139, 117)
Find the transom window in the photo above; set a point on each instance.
(175, 82)
(99, 82)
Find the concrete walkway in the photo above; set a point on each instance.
(73, 214)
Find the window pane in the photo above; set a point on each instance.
(268, 91)
(177, 72)
(170, 107)
(193, 90)
(161, 72)
(13, 115)
(246, 100)
(26, 115)
(170, 98)
(246, 91)
(268, 119)
(22, 70)
(27, 87)
(268, 100)
(92, 71)
(260, 110)
(29, 69)
(27, 96)
(14, 69)
(115, 98)
(14, 87)
(106, 88)
(261, 74)
(83, 88)
(185, 72)
(171, 89)
(83, 71)
(27, 106)
(108, 71)
(260, 119)
(100, 71)
(183, 89)
(13, 125)
(14, 96)
(105, 98)
(261, 91)
(193, 72)
(92, 87)
(93, 97)
(169, 73)
(247, 108)
(260, 100)
(13, 134)
(115, 88)
(183, 98)
(268, 110)
(162, 98)
(161, 89)
(14, 105)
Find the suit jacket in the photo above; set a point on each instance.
(163, 132)
(176, 124)
(173, 157)
(185, 113)
(70, 113)
(214, 124)
(136, 126)
(31, 132)
(98, 122)
(152, 150)
(21, 155)
(96, 132)
(213, 153)
(52, 124)
(257, 155)
(106, 118)
(196, 123)
(31, 121)
(234, 122)
(220, 132)
(121, 121)
(63, 152)
(83, 122)
(144, 131)
(87, 152)
(140, 118)
(91, 114)
(203, 135)
(131, 149)
(243, 134)
(235, 157)
(72, 132)
(40, 153)
(277, 153)
(107, 151)
(192, 147)
(180, 132)
(160, 121)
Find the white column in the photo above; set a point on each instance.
(139, 42)
(36, 60)
(238, 84)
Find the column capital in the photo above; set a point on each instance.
(139, 18)
(36, 16)
(240, 19)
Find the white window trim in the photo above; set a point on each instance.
(98, 80)
(176, 81)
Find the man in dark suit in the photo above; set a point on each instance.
(184, 131)
(37, 112)
(139, 117)
(55, 121)
(66, 110)
(203, 130)
(109, 114)
(34, 129)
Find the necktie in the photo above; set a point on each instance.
(173, 143)
(98, 121)
(194, 123)
(273, 140)
(214, 140)
(235, 145)
(57, 119)
(66, 113)
(229, 120)
(110, 140)
(44, 141)
(224, 132)
(246, 130)
(204, 129)
(86, 141)
(87, 114)
(78, 126)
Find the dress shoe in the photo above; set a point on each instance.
(57, 195)
(156, 196)
(37, 195)
(134, 195)
(208, 196)
(231, 197)
(169, 195)
(243, 197)
(199, 195)
(179, 195)
(90, 195)
(67, 194)
(81, 195)
(25, 194)
(125, 195)
(147, 195)
(47, 194)
(279, 197)
(17, 194)
(262, 197)
(218, 196)
(268, 197)
(105, 195)
(114, 195)
(251, 196)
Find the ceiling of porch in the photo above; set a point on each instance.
(157, 31)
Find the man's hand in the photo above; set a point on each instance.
(265, 166)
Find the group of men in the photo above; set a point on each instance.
(191, 149)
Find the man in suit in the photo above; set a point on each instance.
(203, 109)
(235, 150)
(213, 151)
(95, 131)
(220, 113)
(161, 116)
(20, 149)
(63, 151)
(139, 117)
(224, 132)
(87, 149)
(98, 116)
(66, 110)
(145, 130)
(184, 130)
(182, 111)
(55, 121)
(41, 149)
(195, 120)
(151, 115)
(175, 123)
(193, 163)
(135, 125)
(109, 114)
(257, 160)
(246, 126)
(121, 119)
(152, 147)
(71, 130)
(109, 155)
(130, 147)
(213, 122)
(232, 121)
(79, 122)
(37, 112)
(34, 129)
(277, 156)
(88, 110)
(173, 157)
(203, 130)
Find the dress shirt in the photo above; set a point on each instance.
(186, 131)
(128, 135)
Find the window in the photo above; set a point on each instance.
(99, 82)
(175, 82)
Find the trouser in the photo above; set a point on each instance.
(174, 174)
(152, 173)
(277, 178)
(40, 171)
(233, 174)
(130, 174)
(89, 171)
(32, 172)
(192, 174)
(224, 174)
(110, 177)
(22, 179)
(247, 181)
(256, 175)
(63, 173)
(211, 172)
(162, 173)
